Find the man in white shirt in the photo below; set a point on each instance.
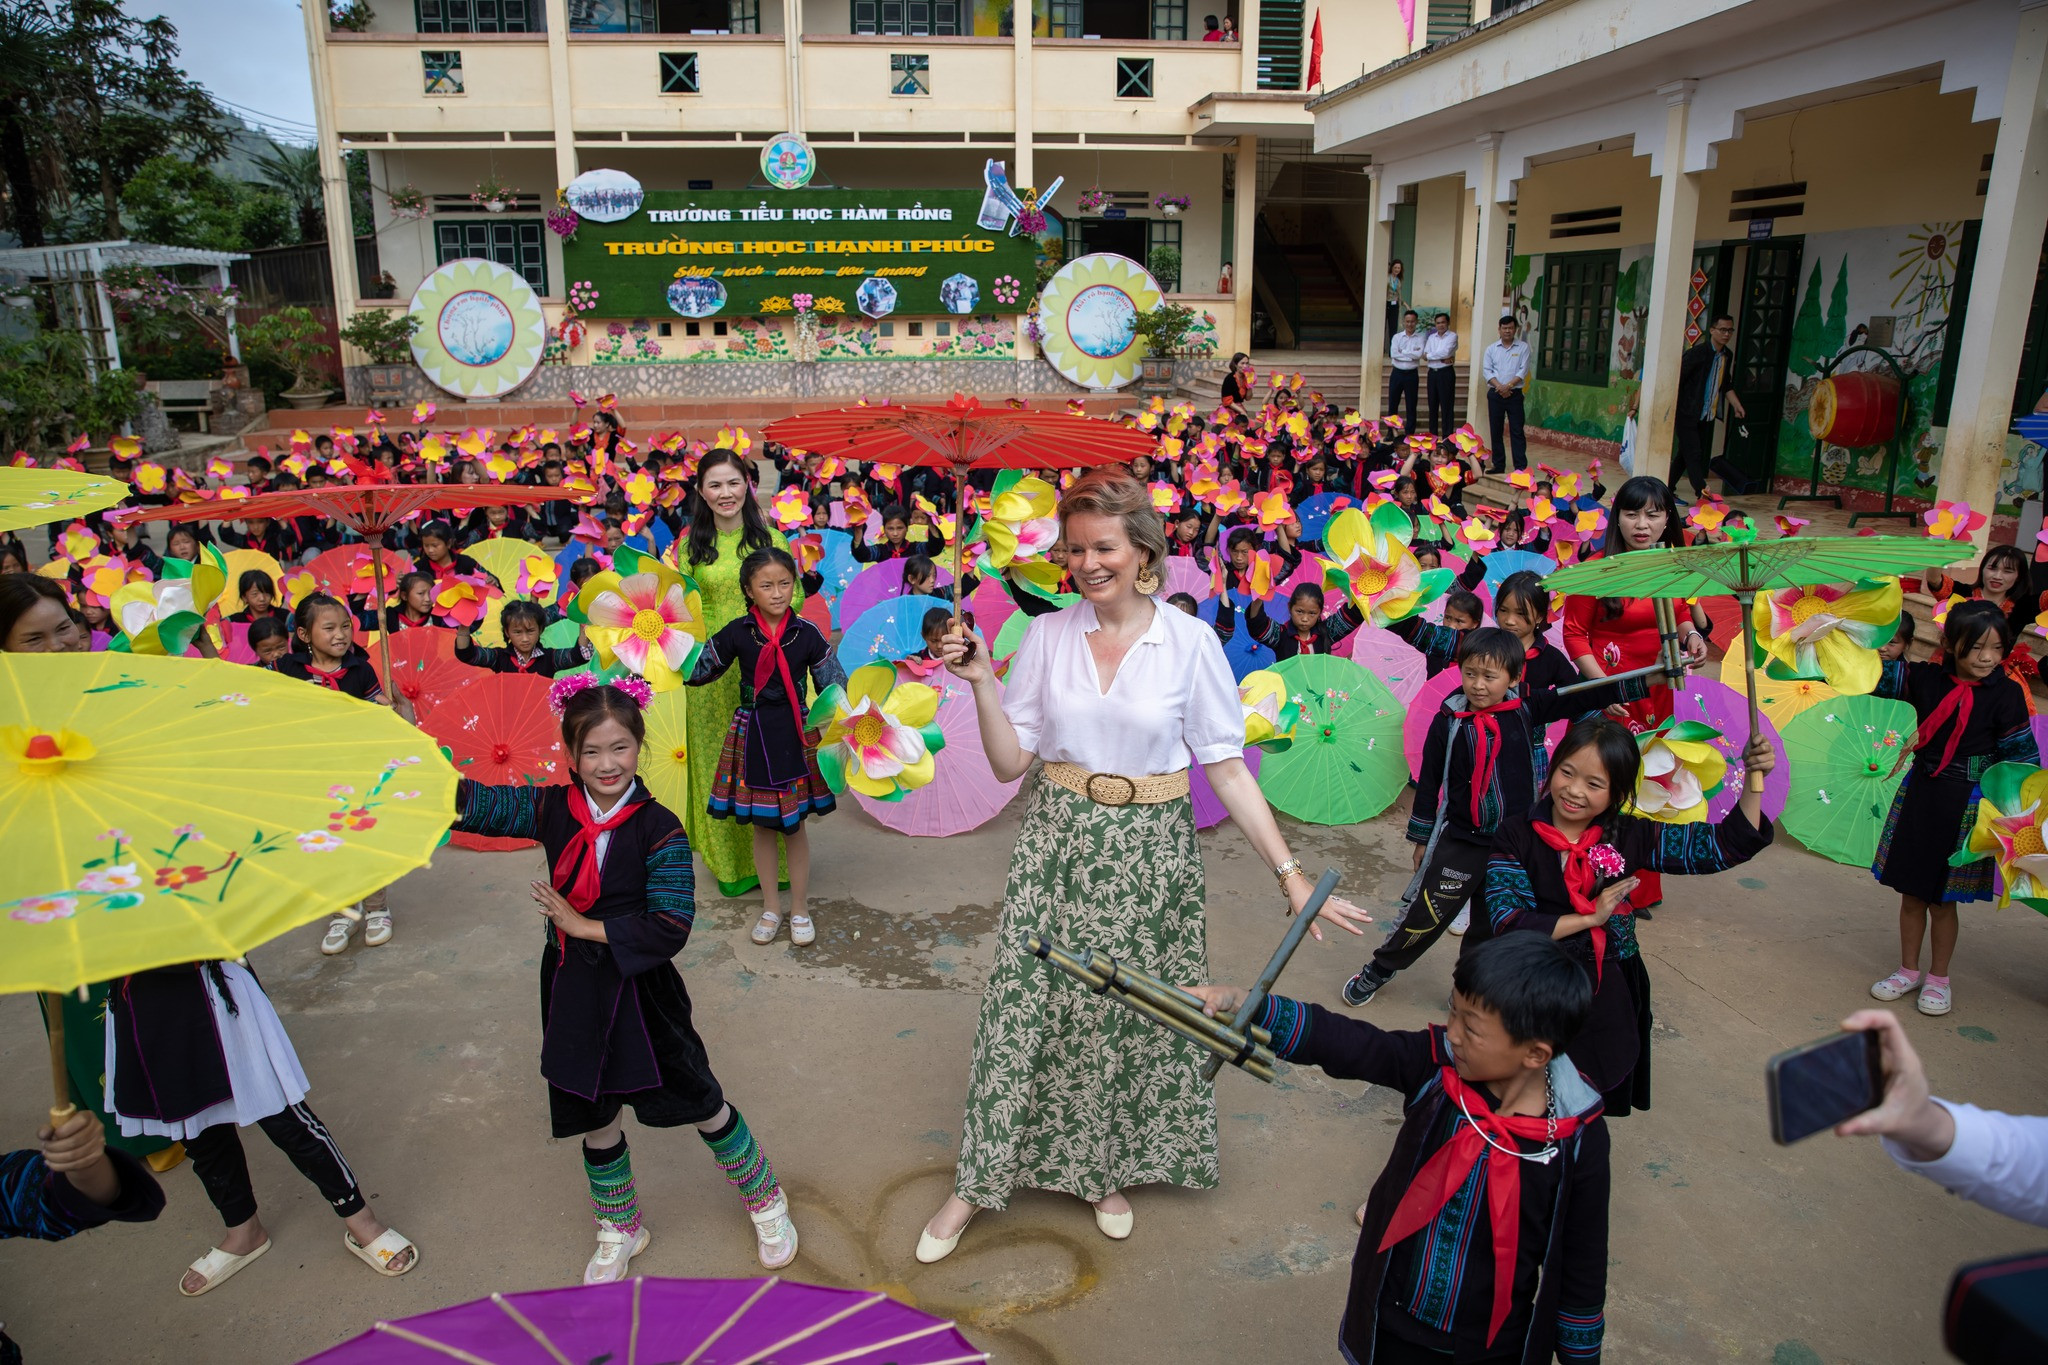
(1404, 373)
(1505, 367)
(1440, 353)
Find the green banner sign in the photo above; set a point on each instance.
(731, 253)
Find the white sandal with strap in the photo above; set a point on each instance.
(217, 1267)
(615, 1251)
(801, 931)
(383, 1249)
(765, 928)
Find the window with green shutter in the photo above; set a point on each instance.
(1577, 324)
(516, 242)
(679, 73)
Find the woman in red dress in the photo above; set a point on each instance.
(1607, 635)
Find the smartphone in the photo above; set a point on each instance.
(1822, 1083)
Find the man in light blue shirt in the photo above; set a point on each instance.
(1505, 367)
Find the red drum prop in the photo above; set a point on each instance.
(1856, 409)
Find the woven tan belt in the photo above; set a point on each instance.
(1114, 789)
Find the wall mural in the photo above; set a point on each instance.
(1593, 411)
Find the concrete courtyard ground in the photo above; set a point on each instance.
(850, 1059)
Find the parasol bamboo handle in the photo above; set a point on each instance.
(61, 1107)
(959, 533)
(1752, 781)
(383, 635)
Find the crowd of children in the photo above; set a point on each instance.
(1532, 847)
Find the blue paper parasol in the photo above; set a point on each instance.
(893, 630)
(838, 566)
(1501, 563)
(1315, 513)
(2033, 426)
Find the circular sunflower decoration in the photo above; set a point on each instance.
(481, 328)
(1089, 311)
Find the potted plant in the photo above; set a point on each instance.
(1163, 329)
(407, 202)
(494, 194)
(293, 339)
(1172, 205)
(351, 16)
(1092, 200)
(1164, 263)
(386, 335)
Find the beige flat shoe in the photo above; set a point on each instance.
(1116, 1226)
(217, 1267)
(765, 927)
(932, 1249)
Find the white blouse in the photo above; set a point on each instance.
(1172, 694)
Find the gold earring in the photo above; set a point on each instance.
(1148, 580)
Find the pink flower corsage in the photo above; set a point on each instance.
(1606, 860)
(569, 684)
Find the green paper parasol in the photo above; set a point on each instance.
(1840, 755)
(1012, 634)
(561, 634)
(1345, 764)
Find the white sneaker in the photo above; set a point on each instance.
(1934, 1000)
(377, 928)
(1463, 921)
(338, 930)
(615, 1251)
(775, 1233)
(1899, 984)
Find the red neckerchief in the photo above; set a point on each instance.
(1579, 880)
(324, 678)
(576, 873)
(1534, 650)
(440, 571)
(1956, 704)
(520, 665)
(1445, 1173)
(1485, 746)
(1304, 644)
(774, 663)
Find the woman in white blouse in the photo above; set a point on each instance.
(1116, 694)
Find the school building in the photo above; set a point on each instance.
(1122, 101)
(1859, 183)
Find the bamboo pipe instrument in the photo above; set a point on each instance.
(1297, 928)
(1163, 1004)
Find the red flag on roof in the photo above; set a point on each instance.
(1315, 52)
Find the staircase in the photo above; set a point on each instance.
(1330, 316)
(1336, 380)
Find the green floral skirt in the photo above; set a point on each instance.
(1073, 1091)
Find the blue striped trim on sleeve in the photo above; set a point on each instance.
(1288, 1021)
(672, 880)
(1508, 892)
(1579, 1333)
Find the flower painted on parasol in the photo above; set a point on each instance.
(2009, 829)
(964, 792)
(1842, 757)
(499, 732)
(1680, 770)
(876, 735)
(1828, 632)
(1345, 763)
(1371, 564)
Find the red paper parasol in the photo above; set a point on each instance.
(423, 662)
(965, 792)
(346, 571)
(960, 436)
(498, 731)
(368, 509)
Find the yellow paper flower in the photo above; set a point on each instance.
(1827, 632)
(876, 735)
(1020, 524)
(1270, 711)
(2010, 819)
(1373, 567)
(1680, 771)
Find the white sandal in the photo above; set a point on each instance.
(377, 928)
(615, 1251)
(775, 1234)
(931, 1249)
(217, 1267)
(383, 1249)
(338, 930)
(765, 928)
(801, 931)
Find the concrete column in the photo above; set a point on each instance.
(793, 61)
(561, 97)
(1488, 282)
(1244, 226)
(341, 243)
(1025, 126)
(1663, 339)
(2002, 289)
(1379, 251)
(1248, 49)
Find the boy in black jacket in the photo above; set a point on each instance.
(1479, 767)
(1485, 1237)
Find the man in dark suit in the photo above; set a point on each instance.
(1706, 377)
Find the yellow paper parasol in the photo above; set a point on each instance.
(238, 563)
(502, 556)
(159, 810)
(36, 497)
(665, 756)
(1777, 699)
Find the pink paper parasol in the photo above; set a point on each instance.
(1209, 811)
(875, 584)
(1310, 570)
(1721, 706)
(964, 793)
(1184, 575)
(234, 643)
(992, 605)
(1429, 700)
(1387, 657)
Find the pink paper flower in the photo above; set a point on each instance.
(1606, 860)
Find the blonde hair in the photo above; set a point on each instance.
(1113, 491)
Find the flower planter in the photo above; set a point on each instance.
(306, 398)
(386, 383)
(1155, 375)
(1170, 210)
(494, 206)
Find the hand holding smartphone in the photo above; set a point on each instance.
(1822, 1083)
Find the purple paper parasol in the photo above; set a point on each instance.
(1209, 811)
(1721, 706)
(963, 792)
(877, 583)
(1387, 657)
(653, 1320)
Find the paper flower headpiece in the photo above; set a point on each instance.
(1681, 770)
(1827, 632)
(569, 684)
(1374, 567)
(877, 735)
